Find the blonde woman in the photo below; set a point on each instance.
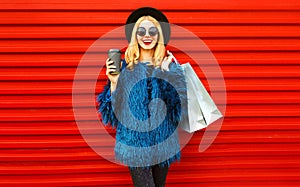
(146, 101)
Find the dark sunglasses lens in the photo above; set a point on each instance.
(153, 31)
(141, 31)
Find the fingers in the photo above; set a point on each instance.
(170, 56)
(110, 67)
(165, 64)
(167, 61)
(169, 53)
(109, 62)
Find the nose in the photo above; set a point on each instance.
(147, 34)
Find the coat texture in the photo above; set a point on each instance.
(145, 109)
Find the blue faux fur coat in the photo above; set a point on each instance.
(145, 109)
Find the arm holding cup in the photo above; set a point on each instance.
(104, 98)
(110, 69)
(113, 64)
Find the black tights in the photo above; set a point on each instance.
(154, 176)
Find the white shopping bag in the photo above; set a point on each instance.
(202, 110)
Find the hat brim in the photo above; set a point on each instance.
(148, 11)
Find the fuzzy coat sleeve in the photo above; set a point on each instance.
(104, 100)
(105, 107)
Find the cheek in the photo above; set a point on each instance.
(156, 39)
(139, 40)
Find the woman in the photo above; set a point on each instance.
(146, 101)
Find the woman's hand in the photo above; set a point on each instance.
(112, 77)
(167, 61)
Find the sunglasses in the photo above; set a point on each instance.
(141, 31)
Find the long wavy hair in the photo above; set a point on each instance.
(132, 52)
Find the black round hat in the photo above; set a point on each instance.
(148, 11)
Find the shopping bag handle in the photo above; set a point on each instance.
(173, 57)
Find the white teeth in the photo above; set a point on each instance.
(147, 40)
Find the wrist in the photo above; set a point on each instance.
(113, 86)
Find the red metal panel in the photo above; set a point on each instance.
(201, 30)
(75, 46)
(165, 5)
(213, 17)
(255, 42)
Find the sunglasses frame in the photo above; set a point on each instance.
(154, 33)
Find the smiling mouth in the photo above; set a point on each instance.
(147, 42)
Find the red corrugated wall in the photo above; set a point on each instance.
(256, 43)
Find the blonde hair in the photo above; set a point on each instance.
(132, 53)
